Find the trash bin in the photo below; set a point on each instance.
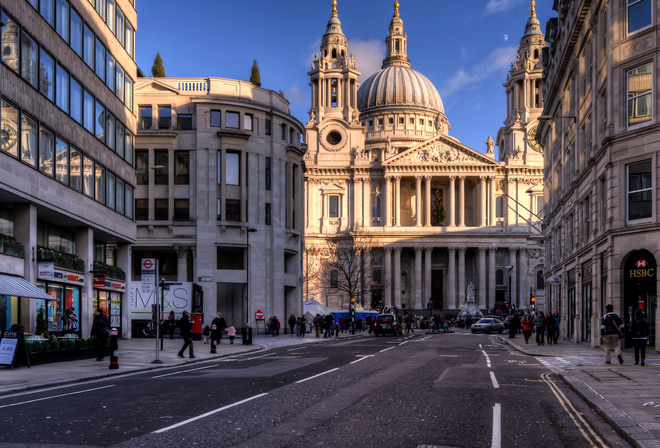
(247, 336)
(196, 321)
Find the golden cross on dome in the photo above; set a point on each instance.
(533, 11)
(334, 8)
(396, 9)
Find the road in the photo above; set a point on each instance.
(440, 390)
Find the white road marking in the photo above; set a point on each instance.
(316, 376)
(494, 380)
(183, 371)
(185, 422)
(497, 426)
(55, 396)
(261, 356)
(386, 349)
(361, 359)
(487, 358)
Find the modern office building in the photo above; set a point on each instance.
(601, 144)
(381, 166)
(66, 159)
(218, 198)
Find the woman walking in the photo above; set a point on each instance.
(527, 326)
(540, 328)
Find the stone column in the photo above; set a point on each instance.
(386, 201)
(512, 272)
(366, 214)
(427, 202)
(461, 276)
(418, 278)
(182, 264)
(523, 279)
(397, 201)
(461, 205)
(451, 212)
(482, 277)
(397, 276)
(451, 279)
(367, 279)
(123, 261)
(387, 275)
(483, 208)
(357, 202)
(427, 275)
(491, 277)
(492, 201)
(418, 201)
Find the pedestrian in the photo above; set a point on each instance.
(292, 323)
(341, 323)
(549, 324)
(185, 327)
(206, 332)
(407, 320)
(369, 324)
(70, 320)
(540, 328)
(171, 321)
(527, 327)
(220, 326)
(231, 332)
(327, 326)
(302, 326)
(272, 326)
(557, 319)
(639, 329)
(317, 324)
(100, 332)
(611, 330)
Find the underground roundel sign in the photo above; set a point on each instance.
(259, 314)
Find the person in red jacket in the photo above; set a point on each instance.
(527, 325)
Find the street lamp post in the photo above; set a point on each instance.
(509, 270)
(247, 332)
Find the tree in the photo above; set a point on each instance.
(157, 70)
(438, 215)
(255, 77)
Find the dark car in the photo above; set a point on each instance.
(387, 324)
(507, 322)
(488, 325)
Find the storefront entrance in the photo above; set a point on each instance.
(639, 289)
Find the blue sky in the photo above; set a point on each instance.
(464, 48)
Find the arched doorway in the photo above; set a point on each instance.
(640, 288)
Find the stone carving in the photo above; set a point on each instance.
(439, 154)
(490, 144)
(361, 154)
(516, 154)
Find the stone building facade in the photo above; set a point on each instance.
(601, 141)
(66, 160)
(380, 160)
(218, 203)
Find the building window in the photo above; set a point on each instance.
(640, 190)
(161, 175)
(181, 210)
(499, 207)
(165, 117)
(247, 122)
(268, 214)
(145, 117)
(218, 208)
(499, 277)
(160, 210)
(233, 210)
(333, 206)
(11, 133)
(268, 126)
(640, 94)
(29, 60)
(62, 161)
(184, 122)
(215, 118)
(375, 207)
(334, 279)
(88, 176)
(230, 258)
(88, 46)
(75, 170)
(76, 32)
(231, 120)
(640, 14)
(539, 280)
(99, 179)
(46, 76)
(100, 60)
(232, 168)
(110, 190)
(76, 101)
(283, 132)
(124, 196)
(141, 167)
(268, 173)
(181, 167)
(46, 145)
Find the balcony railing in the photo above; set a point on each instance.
(110, 271)
(60, 259)
(11, 246)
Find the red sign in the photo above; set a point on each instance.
(641, 263)
(148, 264)
(99, 280)
(259, 314)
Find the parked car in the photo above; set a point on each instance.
(507, 322)
(387, 324)
(488, 325)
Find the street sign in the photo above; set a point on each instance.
(148, 264)
(259, 314)
(555, 280)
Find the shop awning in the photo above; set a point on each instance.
(16, 286)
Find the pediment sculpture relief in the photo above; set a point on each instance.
(438, 154)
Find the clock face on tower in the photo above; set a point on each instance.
(7, 137)
(533, 142)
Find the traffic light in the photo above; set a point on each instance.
(533, 300)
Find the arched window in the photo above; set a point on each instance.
(536, 53)
(539, 280)
(334, 53)
(334, 279)
(499, 277)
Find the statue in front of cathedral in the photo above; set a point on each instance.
(470, 292)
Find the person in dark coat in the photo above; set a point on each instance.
(171, 324)
(186, 333)
(639, 329)
(220, 326)
(292, 323)
(100, 329)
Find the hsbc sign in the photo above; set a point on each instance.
(641, 266)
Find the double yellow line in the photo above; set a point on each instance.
(587, 431)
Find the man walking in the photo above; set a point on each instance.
(186, 332)
(611, 330)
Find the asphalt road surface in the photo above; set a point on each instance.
(440, 390)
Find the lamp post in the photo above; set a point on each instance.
(509, 270)
(247, 332)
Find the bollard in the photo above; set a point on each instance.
(114, 349)
(213, 334)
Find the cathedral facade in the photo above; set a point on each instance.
(432, 215)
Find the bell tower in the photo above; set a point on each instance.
(517, 139)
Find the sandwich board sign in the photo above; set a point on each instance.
(12, 345)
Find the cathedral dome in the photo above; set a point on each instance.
(399, 86)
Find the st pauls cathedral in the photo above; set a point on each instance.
(444, 222)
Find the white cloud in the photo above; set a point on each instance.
(296, 96)
(369, 56)
(498, 6)
(467, 79)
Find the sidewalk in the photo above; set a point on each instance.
(625, 395)
(136, 355)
